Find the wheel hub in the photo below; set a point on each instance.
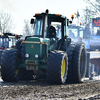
(63, 68)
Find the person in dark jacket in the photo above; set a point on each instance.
(52, 32)
(86, 32)
(98, 32)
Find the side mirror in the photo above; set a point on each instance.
(32, 21)
(70, 22)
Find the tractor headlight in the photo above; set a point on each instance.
(36, 55)
(26, 55)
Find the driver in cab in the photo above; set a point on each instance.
(71, 34)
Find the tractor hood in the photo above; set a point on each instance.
(36, 46)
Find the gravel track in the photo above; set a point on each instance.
(41, 90)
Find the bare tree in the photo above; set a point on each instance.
(6, 22)
(27, 31)
(85, 18)
(95, 5)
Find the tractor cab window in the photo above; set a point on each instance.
(6, 42)
(5, 39)
(54, 33)
(1, 42)
(72, 33)
(38, 28)
(55, 30)
(59, 30)
(12, 41)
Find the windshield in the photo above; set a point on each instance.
(6, 42)
(1, 43)
(38, 28)
(55, 30)
(72, 33)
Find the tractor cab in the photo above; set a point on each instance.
(46, 23)
(4, 42)
(75, 32)
(46, 29)
(7, 40)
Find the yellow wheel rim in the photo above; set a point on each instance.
(63, 68)
(17, 71)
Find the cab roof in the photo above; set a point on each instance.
(49, 15)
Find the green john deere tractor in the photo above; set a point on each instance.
(48, 54)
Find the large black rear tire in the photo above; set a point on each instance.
(8, 65)
(79, 63)
(23, 51)
(18, 46)
(70, 52)
(57, 67)
(0, 58)
(88, 65)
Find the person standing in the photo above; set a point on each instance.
(98, 32)
(86, 31)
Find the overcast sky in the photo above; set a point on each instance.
(25, 9)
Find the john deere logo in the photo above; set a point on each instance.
(32, 46)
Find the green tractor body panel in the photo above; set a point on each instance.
(33, 47)
(39, 47)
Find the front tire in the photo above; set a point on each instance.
(57, 66)
(8, 65)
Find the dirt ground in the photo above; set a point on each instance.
(41, 90)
